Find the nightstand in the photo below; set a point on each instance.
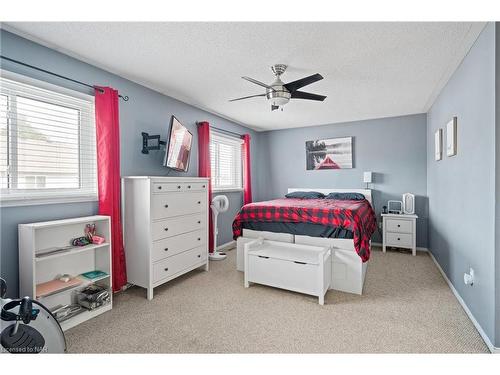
(400, 231)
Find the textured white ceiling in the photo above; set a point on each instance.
(370, 70)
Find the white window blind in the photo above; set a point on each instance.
(47, 143)
(225, 159)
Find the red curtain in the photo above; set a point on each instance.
(247, 181)
(108, 175)
(204, 171)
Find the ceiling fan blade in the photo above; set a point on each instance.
(258, 83)
(307, 95)
(246, 97)
(295, 85)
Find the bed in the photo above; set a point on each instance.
(350, 243)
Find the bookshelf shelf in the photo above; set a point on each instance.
(73, 250)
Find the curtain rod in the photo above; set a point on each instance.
(224, 131)
(227, 131)
(125, 98)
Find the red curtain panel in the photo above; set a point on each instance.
(204, 171)
(108, 175)
(247, 181)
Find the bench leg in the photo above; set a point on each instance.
(321, 299)
(246, 283)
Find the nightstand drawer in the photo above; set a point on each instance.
(399, 226)
(399, 240)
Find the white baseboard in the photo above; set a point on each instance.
(226, 245)
(418, 248)
(485, 338)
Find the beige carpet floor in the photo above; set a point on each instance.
(406, 307)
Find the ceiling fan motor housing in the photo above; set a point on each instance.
(278, 94)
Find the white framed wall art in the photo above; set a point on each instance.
(438, 141)
(451, 137)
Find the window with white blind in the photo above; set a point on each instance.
(225, 161)
(47, 143)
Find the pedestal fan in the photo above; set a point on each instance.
(219, 204)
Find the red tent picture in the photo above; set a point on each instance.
(332, 153)
(327, 163)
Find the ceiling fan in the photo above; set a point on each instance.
(279, 93)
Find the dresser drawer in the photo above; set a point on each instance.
(162, 187)
(175, 226)
(177, 244)
(170, 205)
(177, 263)
(399, 240)
(399, 226)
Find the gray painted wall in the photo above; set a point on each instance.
(461, 188)
(146, 110)
(497, 184)
(393, 148)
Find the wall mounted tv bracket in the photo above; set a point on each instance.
(145, 140)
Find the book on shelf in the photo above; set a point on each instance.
(94, 275)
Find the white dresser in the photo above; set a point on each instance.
(400, 231)
(165, 228)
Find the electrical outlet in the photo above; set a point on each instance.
(469, 277)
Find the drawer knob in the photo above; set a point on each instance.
(189, 186)
(166, 269)
(199, 221)
(166, 249)
(199, 239)
(399, 225)
(399, 239)
(166, 206)
(203, 186)
(178, 186)
(166, 229)
(199, 256)
(159, 187)
(199, 202)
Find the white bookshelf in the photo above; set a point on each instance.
(33, 270)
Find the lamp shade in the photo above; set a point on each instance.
(367, 177)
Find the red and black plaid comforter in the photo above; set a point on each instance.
(356, 216)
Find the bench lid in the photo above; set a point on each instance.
(289, 252)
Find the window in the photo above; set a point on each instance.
(47, 143)
(225, 162)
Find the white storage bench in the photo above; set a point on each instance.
(299, 268)
(348, 270)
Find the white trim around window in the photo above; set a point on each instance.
(47, 143)
(225, 162)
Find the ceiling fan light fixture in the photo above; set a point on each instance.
(278, 98)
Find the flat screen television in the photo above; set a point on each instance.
(179, 147)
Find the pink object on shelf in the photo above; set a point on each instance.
(97, 240)
(54, 286)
